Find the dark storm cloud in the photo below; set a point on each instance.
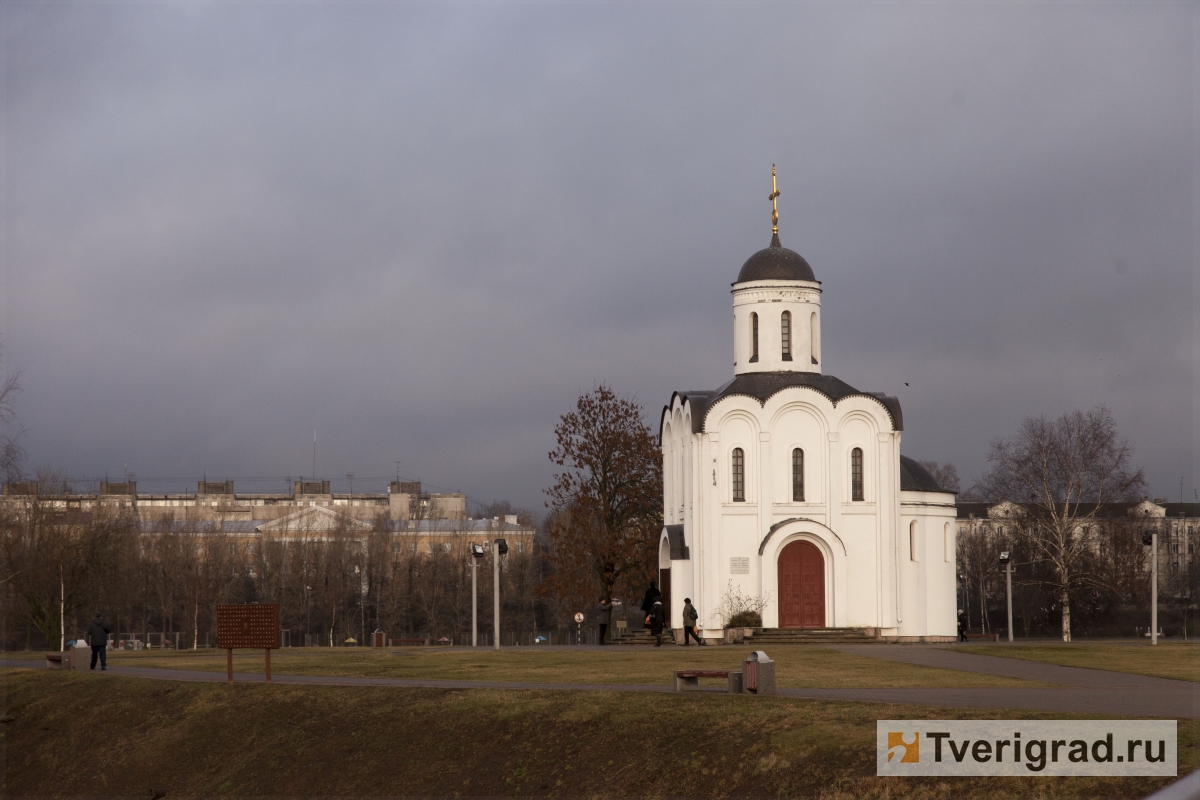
(423, 231)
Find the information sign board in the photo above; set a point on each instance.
(254, 626)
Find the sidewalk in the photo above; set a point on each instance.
(1079, 691)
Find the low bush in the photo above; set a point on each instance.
(745, 619)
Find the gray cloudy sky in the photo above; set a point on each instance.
(424, 230)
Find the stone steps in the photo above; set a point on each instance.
(812, 636)
(644, 638)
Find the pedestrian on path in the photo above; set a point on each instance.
(604, 617)
(651, 594)
(656, 619)
(689, 622)
(97, 634)
(962, 629)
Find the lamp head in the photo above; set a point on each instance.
(1005, 557)
(477, 550)
(503, 546)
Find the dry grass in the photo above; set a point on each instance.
(796, 666)
(1178, 660)
(78, 734)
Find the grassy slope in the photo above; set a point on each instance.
(1176, 660)
(795, 666)
(78, 734)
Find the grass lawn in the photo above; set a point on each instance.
(76, 734)
(1177, 660)
(796, 666)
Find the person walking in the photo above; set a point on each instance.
(656, 619)
(689, 622)
(962, 629)
(651, 594)
(604, 617)
(97, 634)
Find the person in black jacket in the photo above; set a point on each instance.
(658, 618)
(97, 634)
(652, 594)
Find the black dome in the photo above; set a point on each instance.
(776, 263)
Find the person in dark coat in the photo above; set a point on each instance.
(604, 617)
(658, 617)
(97, 634)
(962, 629)
(652, 594)
(689, 622)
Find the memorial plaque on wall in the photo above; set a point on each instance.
(254, 626)
(739, 565)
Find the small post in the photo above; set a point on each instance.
(1006, 560)
(268, 665)
(1154, 589)
(1009, 579)
(496, 594)
(229, 664)
(474, 605)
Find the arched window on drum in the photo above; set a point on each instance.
(785, 335)
(753, 336)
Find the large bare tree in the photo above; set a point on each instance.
(1062, 471)
(606, 503)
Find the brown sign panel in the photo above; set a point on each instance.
(248, 626)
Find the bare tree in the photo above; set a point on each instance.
(11, 453)
(608, 498)
(1063, 470)
(946, 475)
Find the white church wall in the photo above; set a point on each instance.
(798, 425)
(928, 584)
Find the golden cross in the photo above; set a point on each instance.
(774, 205)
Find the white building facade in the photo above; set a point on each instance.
(787, 485)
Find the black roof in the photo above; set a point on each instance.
(764, 385)
(915, 478)
(776, 263)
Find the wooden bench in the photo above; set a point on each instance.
(55, 661)
(689, 679)
(987, 637)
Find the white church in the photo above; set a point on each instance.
(787, 484)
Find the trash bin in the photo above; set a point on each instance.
(759, 674)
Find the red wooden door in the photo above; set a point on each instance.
(801, 586)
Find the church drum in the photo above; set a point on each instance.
(801, 586)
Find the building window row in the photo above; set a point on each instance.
(737, 473)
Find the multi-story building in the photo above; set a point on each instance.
(427, 522)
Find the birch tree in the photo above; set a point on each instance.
(1062, 471)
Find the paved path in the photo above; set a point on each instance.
(1078, 690)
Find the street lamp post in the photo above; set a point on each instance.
(499, 548)
(476, 554)
(1006, 560)
(1150, 537)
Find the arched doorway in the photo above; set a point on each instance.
(801, 586)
